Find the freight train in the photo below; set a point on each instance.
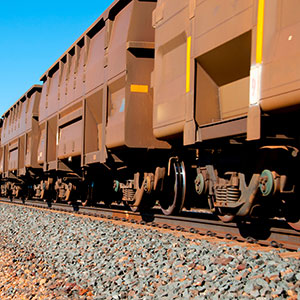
(176, 103)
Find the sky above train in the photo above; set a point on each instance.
(34, 34)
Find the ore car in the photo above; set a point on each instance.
(19, 132)
(177, 103)
(226, 83)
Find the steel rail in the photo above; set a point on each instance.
(273, 233)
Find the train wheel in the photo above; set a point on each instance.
(295, 225)
(147, 202)
(293, 218)
(174, 190)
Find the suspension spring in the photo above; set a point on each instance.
(233, 193)
(229, 193)
(221, 194)
(128, 194)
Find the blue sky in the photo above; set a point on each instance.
(34, 34)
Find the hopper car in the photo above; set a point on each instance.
(176, 103)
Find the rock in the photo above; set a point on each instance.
(275, 278)
(292, 293)
(31, 256)
(261, 283)
(241, 267)
(277, 292)
(254, 293)
(43, 281)
(249, 287)
(223, 261)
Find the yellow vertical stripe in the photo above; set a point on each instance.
(260, 31)
(188, 64)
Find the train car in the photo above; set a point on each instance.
(181, 103)
(18, 154)
(96, 105)
(226, 86)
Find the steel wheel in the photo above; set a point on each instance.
(174, 190)
(293, 218)
(295, 225)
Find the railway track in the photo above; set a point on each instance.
(274, 233)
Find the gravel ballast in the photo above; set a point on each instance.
(48, 255)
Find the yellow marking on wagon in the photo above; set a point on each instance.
(137, 88)
(260, 31)
(188, 63)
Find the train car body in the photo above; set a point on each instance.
(226, 80)
(191, 103)
(96, 99)
(19, 134)
(221, 64)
